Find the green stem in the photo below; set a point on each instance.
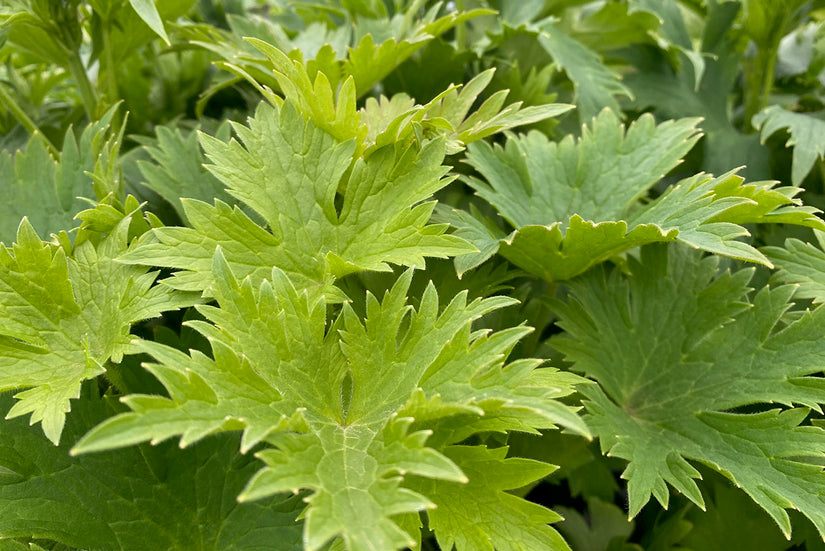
(460, 30)
(8, 101)
(111, 81)
(87, 93)
(767, 78)
(759, 76)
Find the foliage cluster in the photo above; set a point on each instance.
(355, 275)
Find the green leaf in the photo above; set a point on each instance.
(806, 131)
(137, 498)
(712, 530)
(480, 515)
(62, 319)
(338, 406)
(599, 177)
(47, 191)
(677, 348)
(596, 85)
(686, 88)
(603, 526)
(292, 174)
(801, 264)
(149, 13)
(576, 204)
(178, 169)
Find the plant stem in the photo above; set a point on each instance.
(460, 30)
(8, 102)
(87, 93)
(111, 81)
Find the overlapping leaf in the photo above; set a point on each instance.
(596, 85)
(575, 204)
(363, 57)
(398, 119)
(292, 174)
(806, 131)
(480, 515)
(49, 191)
(676, 348)
(801, 264)
(349, 411)
(62, 319)
(137, 498)
(178, 168)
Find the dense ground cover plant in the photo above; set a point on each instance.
(390, 274)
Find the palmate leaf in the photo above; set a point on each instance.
(348, 412)
(480, 515)
(177, 170)
(398, 119)
(290, 173)
(801, 264)
(806, 131)
(49, 191)
(62, 318)
(575, 204)
(137, 498)
(675, 346)
(596, 85)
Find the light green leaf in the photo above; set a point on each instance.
(292, 174)
(532, 180)
(480, 515)
(675, 347)
(149, 13)
(137, 498)
(348, 411)
(576, 204)
(806, 136)
(62, 318)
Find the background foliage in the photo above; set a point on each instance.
(388, 274)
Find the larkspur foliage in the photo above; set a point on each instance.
(64, 318)
(661, 401)
(348, 411)
(446, 275)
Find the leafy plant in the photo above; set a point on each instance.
(385, 275)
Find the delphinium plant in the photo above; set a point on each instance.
(399, 274)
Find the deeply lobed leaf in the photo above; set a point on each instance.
(675, 347)
(349, 411)
(292, 175)
(62, 319)
(576, 204)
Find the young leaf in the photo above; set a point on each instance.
(675, 347)
(137, 498)
(291, 173)
(62, 319)
(347, 412)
